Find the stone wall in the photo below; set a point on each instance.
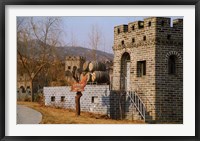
(169, 87)
(96, 98)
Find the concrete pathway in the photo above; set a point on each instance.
(27, 115)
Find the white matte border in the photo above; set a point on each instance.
(186, 129)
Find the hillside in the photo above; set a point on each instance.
(85, 52)
(62, 52)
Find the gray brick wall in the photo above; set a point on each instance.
(95, 98)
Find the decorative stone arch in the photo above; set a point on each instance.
(172, 59)
(125, 71)
(126, 50)
(175, 53)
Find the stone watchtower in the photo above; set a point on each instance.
(73, 66)
(148, 59)
(72, 62)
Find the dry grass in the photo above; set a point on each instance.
(66, 116)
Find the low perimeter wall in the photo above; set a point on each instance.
(96, 98)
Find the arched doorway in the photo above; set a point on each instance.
(125, 72)
(22, 89)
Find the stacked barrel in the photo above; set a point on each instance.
(96, 72)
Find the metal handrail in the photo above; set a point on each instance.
(138, 103)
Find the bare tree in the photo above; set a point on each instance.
(104, 44)
(94, 39)
(37, 38)
(73, 41)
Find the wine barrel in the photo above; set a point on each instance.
(96, 66)
(100, 77)
(88, 76)
(86, 66)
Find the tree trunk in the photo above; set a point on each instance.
(32, 97)
(77, 101)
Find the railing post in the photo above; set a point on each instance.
(135, 97)
(139, 105)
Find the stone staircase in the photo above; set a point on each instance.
(139, 110)
(129, 105)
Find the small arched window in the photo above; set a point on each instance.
(122, 42)
(144, 38)
(118, 30)
(133, 40)
(162, 23)
(149, 23)
(133, 27)
(168, 37)
(172, 64)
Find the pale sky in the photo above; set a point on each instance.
(77, 29)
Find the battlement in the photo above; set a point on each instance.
(178, 23)
(146, 24)
(74, 58)
(121, 29)
(153, 30)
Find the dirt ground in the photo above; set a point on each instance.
(52, 115)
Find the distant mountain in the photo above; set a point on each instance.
(85, 52)
(62, 52)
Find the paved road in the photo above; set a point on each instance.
(27, 115)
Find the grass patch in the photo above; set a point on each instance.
(52, 115)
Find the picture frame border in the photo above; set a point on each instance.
(99, 2)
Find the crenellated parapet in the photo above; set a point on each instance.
(73, 58)
(74, 62)
(150, 31)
